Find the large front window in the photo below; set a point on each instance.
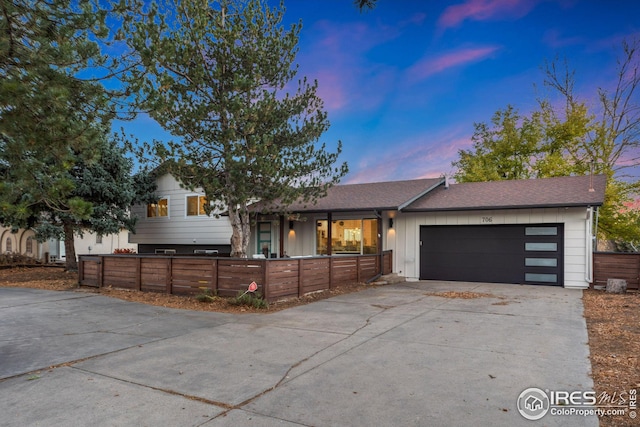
(348, 236)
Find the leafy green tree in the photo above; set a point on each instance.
(506, 149)
(220, 78)
(108, 186)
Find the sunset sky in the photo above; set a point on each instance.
(404, 83)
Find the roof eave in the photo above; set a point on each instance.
(421, 194)
(488, 208)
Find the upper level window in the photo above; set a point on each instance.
(195, 205)
(29, 245)
(159, 209)
(98, 239)
(9, 245)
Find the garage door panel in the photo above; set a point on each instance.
(500, 254)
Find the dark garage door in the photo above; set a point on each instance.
(531, 253)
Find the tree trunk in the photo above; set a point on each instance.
(69, 249)
(241, 230)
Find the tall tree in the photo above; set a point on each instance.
(107, 184)
(610, 144)
(570, 140)
(52, 122)
(505, 149)
(219, 76)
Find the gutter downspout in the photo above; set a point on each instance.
(589, 236)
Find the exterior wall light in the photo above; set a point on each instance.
(390, 222)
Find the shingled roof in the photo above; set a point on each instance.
(392, 195)
(566, 191)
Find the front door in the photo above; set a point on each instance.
(264, 239)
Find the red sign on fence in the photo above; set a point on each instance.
(252, 287)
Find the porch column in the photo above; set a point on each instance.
(329, 236)
(281, 237)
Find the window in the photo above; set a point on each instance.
(29, 245)
(541, 231)
(99, 239)
(551, 247)
(159, 209)
(9, 245)
(348, 236)
(195, 205)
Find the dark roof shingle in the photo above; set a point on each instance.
(378, 195)
(545, 192)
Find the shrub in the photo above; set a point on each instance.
(206, 295)
(124, 251)
(249, 300)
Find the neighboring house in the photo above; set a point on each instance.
(95, 244)
(522, 231)
(177, 223)
(24, 242)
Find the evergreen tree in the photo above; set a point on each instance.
(53, 123)
(218, 76)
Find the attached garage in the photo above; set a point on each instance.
(514, 253)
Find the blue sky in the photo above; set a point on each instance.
(404, 83)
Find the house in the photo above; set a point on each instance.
(24, 242)
(177, 222)
(522, 231)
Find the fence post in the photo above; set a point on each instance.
(101, 272)
(80, 270)
(214, 276)
(138, 273)
(300, 286)
(266, 280)
(330, 271)
(169, 278)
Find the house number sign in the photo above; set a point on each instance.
(487, 219)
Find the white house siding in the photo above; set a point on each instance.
(404, 238)
(178, 228)
(88, 243)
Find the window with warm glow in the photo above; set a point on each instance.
(159, 209)
(196, 205)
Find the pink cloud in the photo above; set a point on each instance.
(482, 10)
(429, 66)
(337, 58)
(424, 156)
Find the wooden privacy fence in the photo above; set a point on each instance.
(189, 275)
(616, 265)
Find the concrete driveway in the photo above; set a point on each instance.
(387, 356)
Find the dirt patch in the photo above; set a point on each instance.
(613, 324)
(462, 295)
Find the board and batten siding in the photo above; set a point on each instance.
(178, 228)
(405, 242)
